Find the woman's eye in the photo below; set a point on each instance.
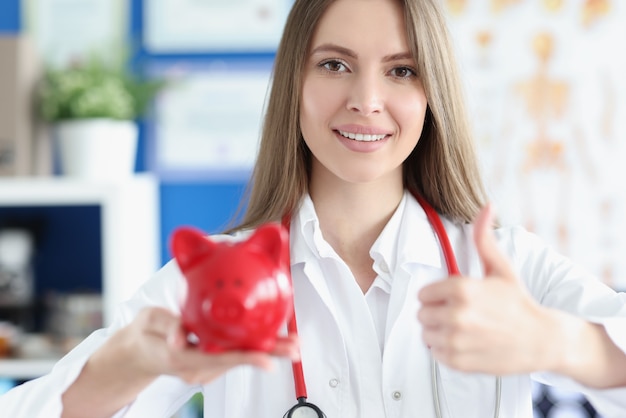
(403, 72)
(333, 66)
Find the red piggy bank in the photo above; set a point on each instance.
(238, 294)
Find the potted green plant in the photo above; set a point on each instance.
(92, 107)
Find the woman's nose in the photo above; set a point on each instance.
(366, 94)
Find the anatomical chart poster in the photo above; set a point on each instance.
(546, 86)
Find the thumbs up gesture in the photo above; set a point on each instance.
(489, 325)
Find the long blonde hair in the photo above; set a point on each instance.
(443, 167)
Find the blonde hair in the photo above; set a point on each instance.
(443, 167)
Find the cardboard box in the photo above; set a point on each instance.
(19, 74)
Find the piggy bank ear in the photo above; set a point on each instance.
(271, 239)
(189, 245)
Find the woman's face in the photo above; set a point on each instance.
(363, 104)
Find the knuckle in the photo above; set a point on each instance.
(452, 359)
(456, 363)
(464, 292)
(453, 340)
(457, 322)
(171, 361)
(149, 315)
(422, 316)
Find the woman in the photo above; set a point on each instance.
(365, 110)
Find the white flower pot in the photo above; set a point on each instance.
(97, 149)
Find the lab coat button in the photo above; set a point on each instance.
(397, 395)
(333, 383)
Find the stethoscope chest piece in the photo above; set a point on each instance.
(304, 409)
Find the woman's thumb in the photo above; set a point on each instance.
(493, 260)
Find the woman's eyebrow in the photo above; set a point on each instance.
(334, 48)
(328, 47)
(398, 57)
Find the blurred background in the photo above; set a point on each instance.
(179, 86)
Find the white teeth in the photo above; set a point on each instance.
(362, 137)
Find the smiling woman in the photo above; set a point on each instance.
(367, 160)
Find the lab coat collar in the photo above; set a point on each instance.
(305, 228)
(417, 242)
(413, 241)
(385, 249)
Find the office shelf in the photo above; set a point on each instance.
(130, 240)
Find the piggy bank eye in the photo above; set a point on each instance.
(238, 283)
(219, 284)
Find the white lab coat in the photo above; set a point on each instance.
(345, 373)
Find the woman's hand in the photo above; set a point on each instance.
(494, 326)
(153, 344)
(491, 325)
(160, 346)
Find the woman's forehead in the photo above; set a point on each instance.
(358, 24)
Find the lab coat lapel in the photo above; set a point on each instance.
(418, 247)
(302, 254)
(419, 262)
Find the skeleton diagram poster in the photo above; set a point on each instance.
(546, 84)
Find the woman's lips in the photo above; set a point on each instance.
(363, 143)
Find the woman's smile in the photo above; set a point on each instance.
(362, 133)
(362, 143)
(361, 137)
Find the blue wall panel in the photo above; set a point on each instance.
(208, 206)
(10, 16)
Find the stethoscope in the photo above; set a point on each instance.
(305, 409)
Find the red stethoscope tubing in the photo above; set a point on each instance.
(442, 235)
(448, 254)
(292, 328)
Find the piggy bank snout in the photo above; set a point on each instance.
(225, 309)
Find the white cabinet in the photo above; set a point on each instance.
(129, 225)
